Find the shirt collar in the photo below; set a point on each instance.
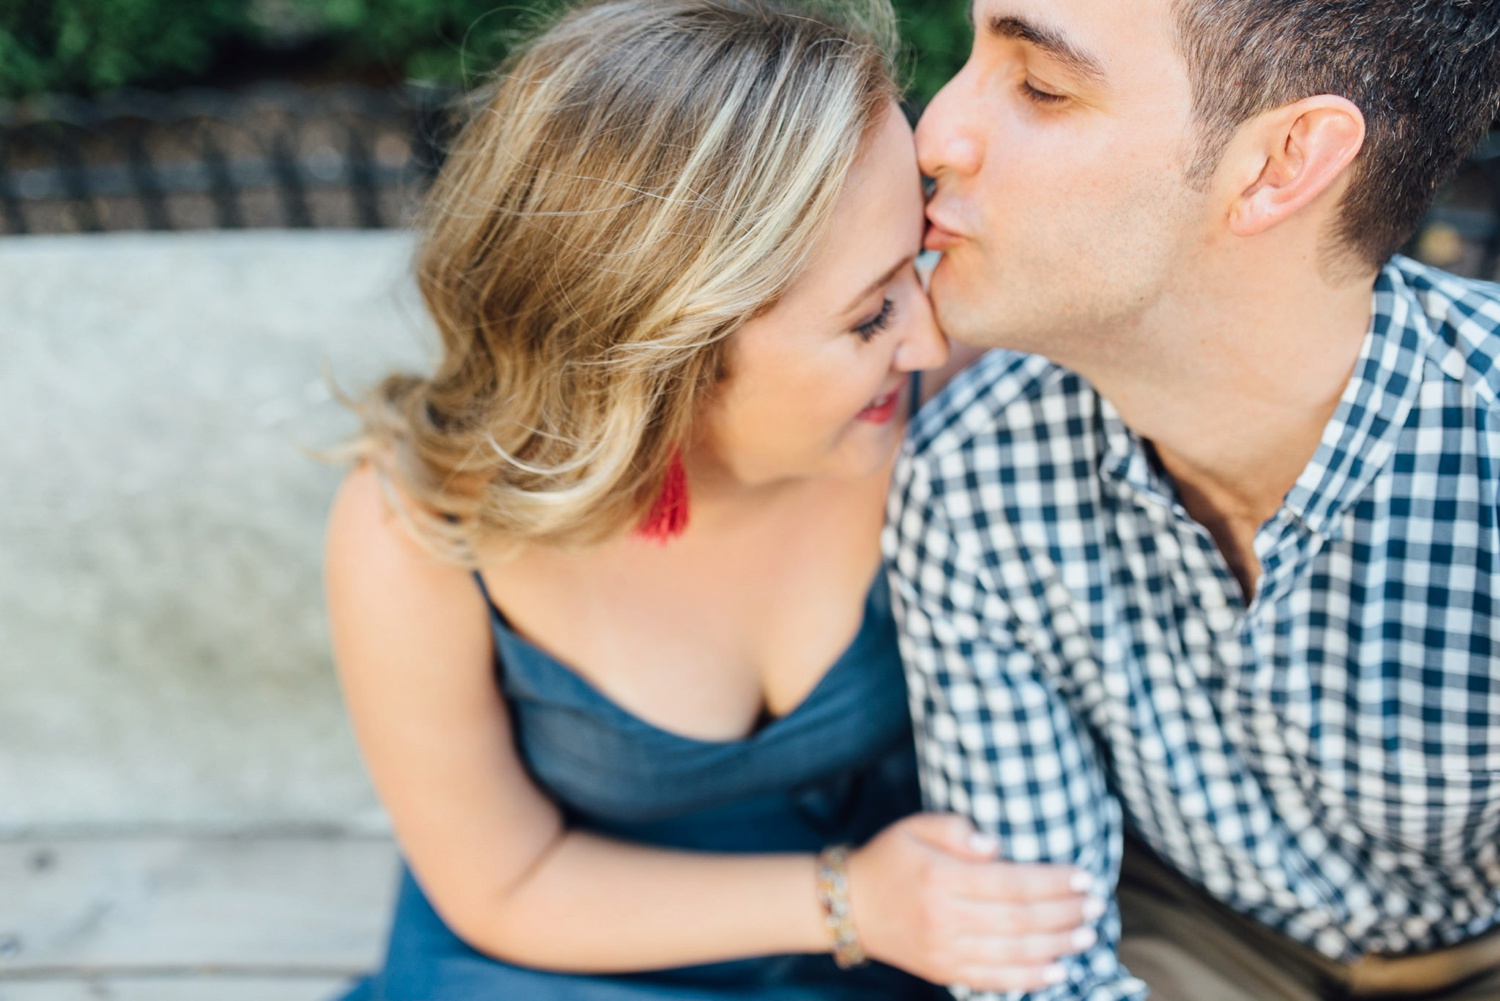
(1125, 460)
(1358, 440)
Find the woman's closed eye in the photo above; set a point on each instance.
(878, 322)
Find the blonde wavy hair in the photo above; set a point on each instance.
(646, 176)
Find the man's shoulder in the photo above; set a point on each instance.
(1002, 395)
(1459, 317)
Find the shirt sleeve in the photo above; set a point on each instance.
(996, 740)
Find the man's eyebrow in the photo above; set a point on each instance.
(1049, 40)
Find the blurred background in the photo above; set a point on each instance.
(157, 114)
(83, 47)
(201, 212)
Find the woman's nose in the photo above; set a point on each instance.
(923, 345)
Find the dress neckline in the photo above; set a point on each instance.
(766, 723)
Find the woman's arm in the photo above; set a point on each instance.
(413, 646)
(414, 650)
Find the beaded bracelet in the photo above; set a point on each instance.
(833, 895)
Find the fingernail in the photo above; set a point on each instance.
(1054, 974)
(1094, 908)
(982, 841)
(1084, 937)
(1081, 882)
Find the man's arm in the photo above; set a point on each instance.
(996, 741)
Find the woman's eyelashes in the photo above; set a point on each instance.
(878, 322)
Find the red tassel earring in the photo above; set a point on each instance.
(668, 516)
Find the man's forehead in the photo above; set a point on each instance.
(1095, 37)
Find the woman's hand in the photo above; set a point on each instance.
(927, 895)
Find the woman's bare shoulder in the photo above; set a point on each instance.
(366, 527)
(380, 579)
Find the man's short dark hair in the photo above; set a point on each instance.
(1425, 73)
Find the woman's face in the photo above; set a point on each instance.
(817, 384)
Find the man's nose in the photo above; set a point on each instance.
(944, 144)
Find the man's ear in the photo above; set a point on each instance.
(1286, 158)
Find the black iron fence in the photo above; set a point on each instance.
(345, 156)
(270, 156)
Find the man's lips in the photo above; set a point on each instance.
(939, 237)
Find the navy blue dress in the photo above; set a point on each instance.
(838, 768)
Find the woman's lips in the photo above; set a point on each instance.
(881, 409)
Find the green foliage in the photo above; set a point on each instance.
(94, 45)
(454, 41)
(937, 35)
(441, 41)
(86, 46)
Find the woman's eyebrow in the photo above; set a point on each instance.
(883, 279)
(1051, 41)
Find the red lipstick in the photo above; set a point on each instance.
(881, 410)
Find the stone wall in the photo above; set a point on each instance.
(163, 654)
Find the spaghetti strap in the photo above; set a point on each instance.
(490, 602)
(497, 622)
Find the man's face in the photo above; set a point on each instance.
(1060, 152)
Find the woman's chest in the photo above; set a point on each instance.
(706, 650)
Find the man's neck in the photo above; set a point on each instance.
(1234, 391)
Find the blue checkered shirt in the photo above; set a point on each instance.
(1082, 662)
